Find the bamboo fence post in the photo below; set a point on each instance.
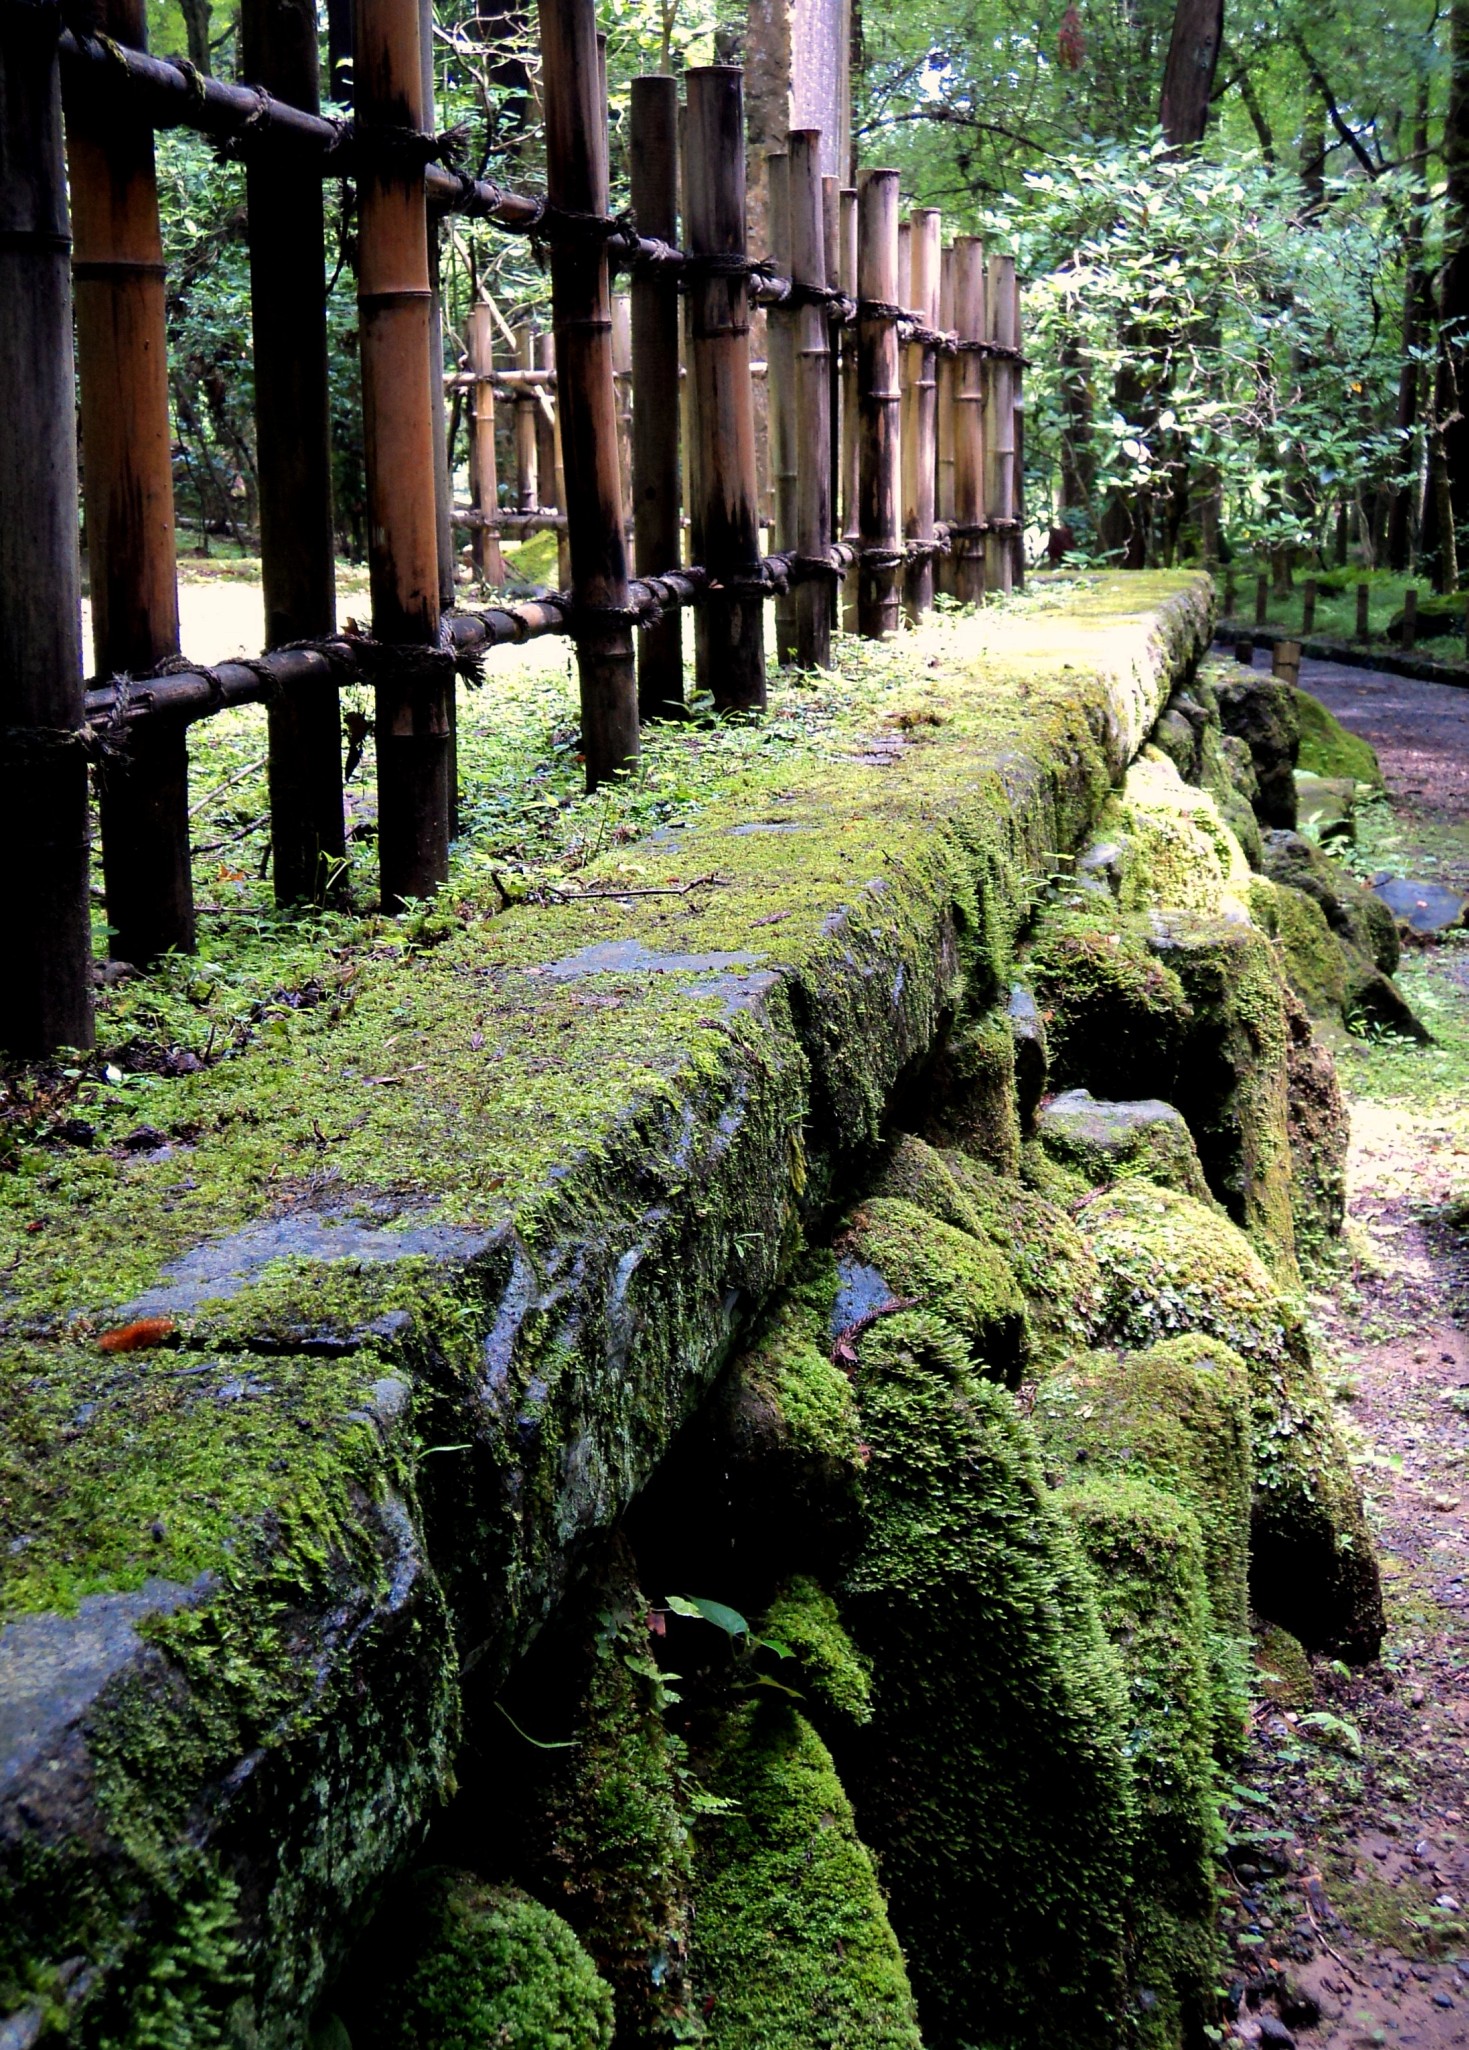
(831, 223)
(443, 482)
(850, 426)
(581, 300)
(920, 452)
(729, 639)
(46, 991)
(527, 481)
(813, 398)
(622, 384)
(880, 398)
(293, 447)
(1017, 490)
(127, 442)
(999, 427)
(489, 559)
(548, 456)
(656, 406)
(414, 685)
(969, 396)
(946, 372)
(780, 394)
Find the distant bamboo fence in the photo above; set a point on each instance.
(892, 372)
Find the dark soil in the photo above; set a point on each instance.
(1349, 1898)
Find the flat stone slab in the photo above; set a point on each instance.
(1109, 1141)
(1424, 908)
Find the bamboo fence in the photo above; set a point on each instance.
(892, 372)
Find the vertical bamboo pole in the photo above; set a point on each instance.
(546, 360)
(293, 444)
(46, 990)
(880, 399)
(489, 559)
(1017, 416)
(581, 299)
(548, 488)
(656, 407)
(527, 483)
(622, 384)
(999, 427)
(969, 396)
(780, 393)
(831, 224)
(920, 453)
(127, 442)
(851, 424)
(813, 398)
(395, 302)
(729, 639)
(443, 483)
(946, 376)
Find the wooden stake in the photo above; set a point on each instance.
(1362, 613)
(780, 394)
(127, 443)
(1262, 600)
(880, 399)
(1410, 616)
(813, 398)
(946, 377)
(1308, 606)
(1002, 327)
(489, 561)
(293, 444)
(920, 453)
(1285, 661)
(969, 408)
(581, 298)
(527, 476)
(656, 409)
(414, 694)
(729, 636)
(46, 990)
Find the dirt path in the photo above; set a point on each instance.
(1351, 1833)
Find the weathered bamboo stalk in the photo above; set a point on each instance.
(527, 475)
(780, 393)
(946, 374)
(293, 443)
(127, 441)
(851, 422)
(489, 561)
(443, 484)
(969, 398)
(920, 389)
(880, 399)
(653, 155)
(548, 454)
(414, 695)
(729, 640)
(46, 990)
(1001, 327)
(581, 299)
(831, 223)
(812, 426)
(622, 385)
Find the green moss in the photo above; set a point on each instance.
(465, 1966)
(973, 1104)
(1328, 749)
(792, 1943)
(949, 1272)
(1115, 1014)
(1179, 1415)
(805, 1619)
(1103, 1143)
(1170, 1266)
(1282, 1667)
(992, 1779)
(1311, 951)
(1178, 853)
(1146, 1549)
(1024, 1226)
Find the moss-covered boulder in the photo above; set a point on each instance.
(1334, 937)
(1320, 1135)
(1349, 907)
(1022, 1225)
(1328, 749)
(1147, 1552)
(893, 1251)
(1110, 1142)
(1227, 772)
(459, 1965)
(972, 1101)
(1179, 1414)
(836, 1678)
(1032, 1057)
(1116, 1016)
(1170, 1266)
(1326, 808)
(793, 1949)
(1262, 713)
(992, 1780)
(1177, 851)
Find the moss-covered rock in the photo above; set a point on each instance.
(1262, 713)
(1147, 1552)
(972, 1102)
(465, 1966)
(1178, 1414)
(792, 1948)
(1110, 1142)
(837, 1678)
(1227, 772)
(1350, 909)
(1326, 808)
(1178, 853)
(992, 1780)
(1320, 1136)
(1328, 749)
(1032, 1057)
(1116, 1016)
(1170, 1266)
(893, 1250)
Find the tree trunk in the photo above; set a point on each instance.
(1416, 313)
(1453, 310)
(1188, 75)
(196, 27)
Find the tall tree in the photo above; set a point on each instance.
(1188, 73)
